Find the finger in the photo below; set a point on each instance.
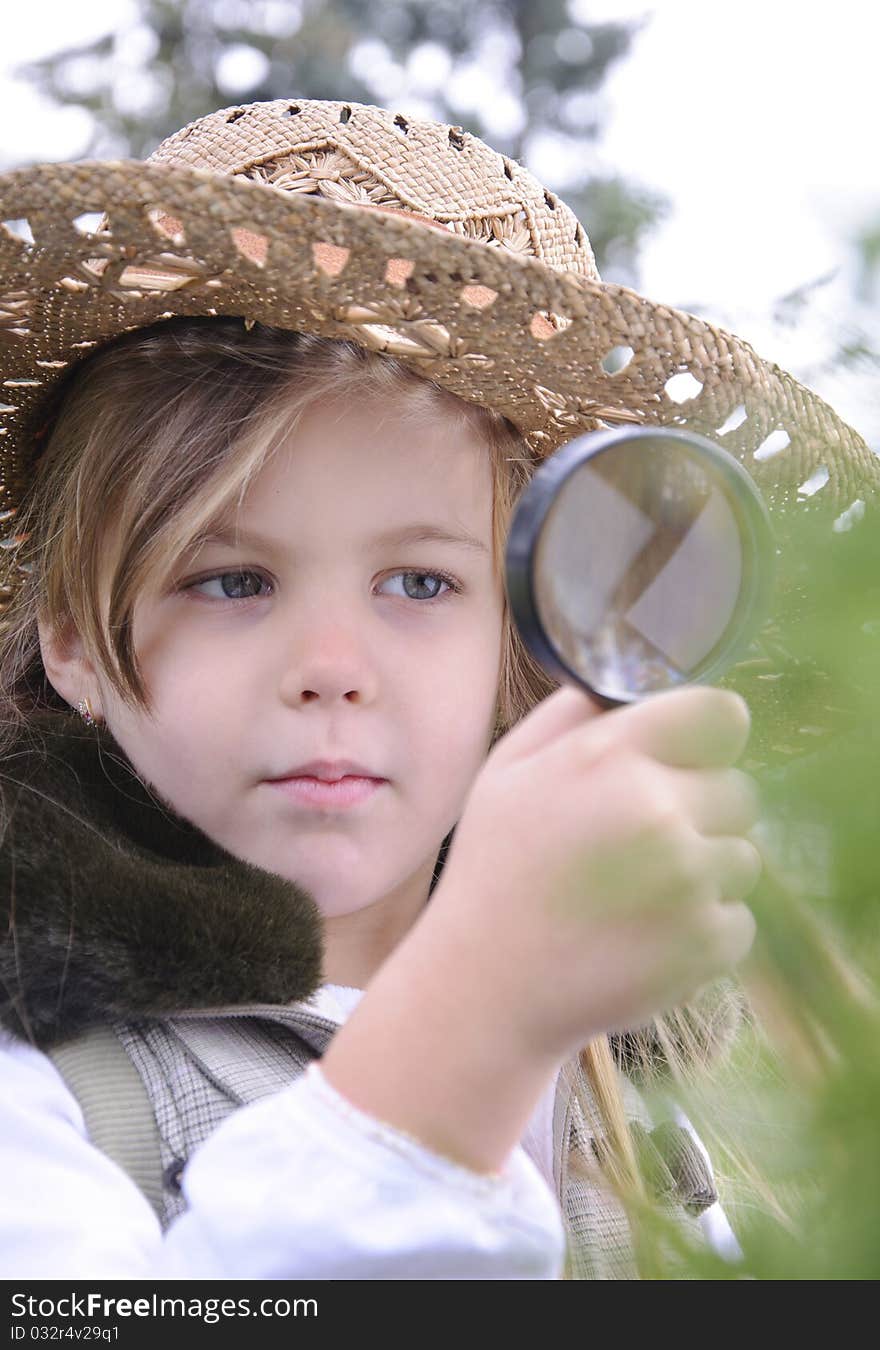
(719, 937)
(696, 727)
(715, 936)
(564, 710)
(736, 866)
(667, 873)
(692, 874)
(711, 871)
(736, 929)
(717, 801)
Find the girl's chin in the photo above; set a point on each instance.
(331, 893)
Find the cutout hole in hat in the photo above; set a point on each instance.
(398, 271)
(681, 388)
(252, 246)
(814, 483)
(19, 228)
(166, 226)
(330, 258)
(776, 441)
(853, 513)
(736, 419)
(88, 222)
(616, 360)
(478, 297)
(545, 325)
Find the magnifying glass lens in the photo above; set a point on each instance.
(646, 561)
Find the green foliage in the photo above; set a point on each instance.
(793, 1121)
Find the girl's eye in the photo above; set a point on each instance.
(234, 585)
(414, 583)
(244, 585)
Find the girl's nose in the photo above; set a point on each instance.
(329, 662)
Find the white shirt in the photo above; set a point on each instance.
(337, 1001)
(299, 1185)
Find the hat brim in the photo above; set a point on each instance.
(498, 328)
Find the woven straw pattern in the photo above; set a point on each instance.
(356, 153)
(260, 212)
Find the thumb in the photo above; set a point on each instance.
(560, 712)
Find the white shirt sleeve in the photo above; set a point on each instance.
(299, 1185)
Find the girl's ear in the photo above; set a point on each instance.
(68, 669)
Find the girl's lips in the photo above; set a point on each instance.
(348, 791)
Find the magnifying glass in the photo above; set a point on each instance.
(638, 560)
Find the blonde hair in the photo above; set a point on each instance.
(159, 432)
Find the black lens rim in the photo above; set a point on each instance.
(534, 505)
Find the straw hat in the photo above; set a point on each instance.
(411, 237)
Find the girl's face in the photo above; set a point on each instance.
(317, 636)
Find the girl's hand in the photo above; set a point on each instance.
(596, 875)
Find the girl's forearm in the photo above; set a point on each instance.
(428, 1051)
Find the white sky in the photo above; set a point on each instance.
(758, 119)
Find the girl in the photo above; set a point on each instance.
(265, 564)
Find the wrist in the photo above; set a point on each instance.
(429, 1051)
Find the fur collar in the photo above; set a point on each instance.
(113, 907)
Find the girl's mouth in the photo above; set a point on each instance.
(348, 791)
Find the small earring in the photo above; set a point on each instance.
(85, 711)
